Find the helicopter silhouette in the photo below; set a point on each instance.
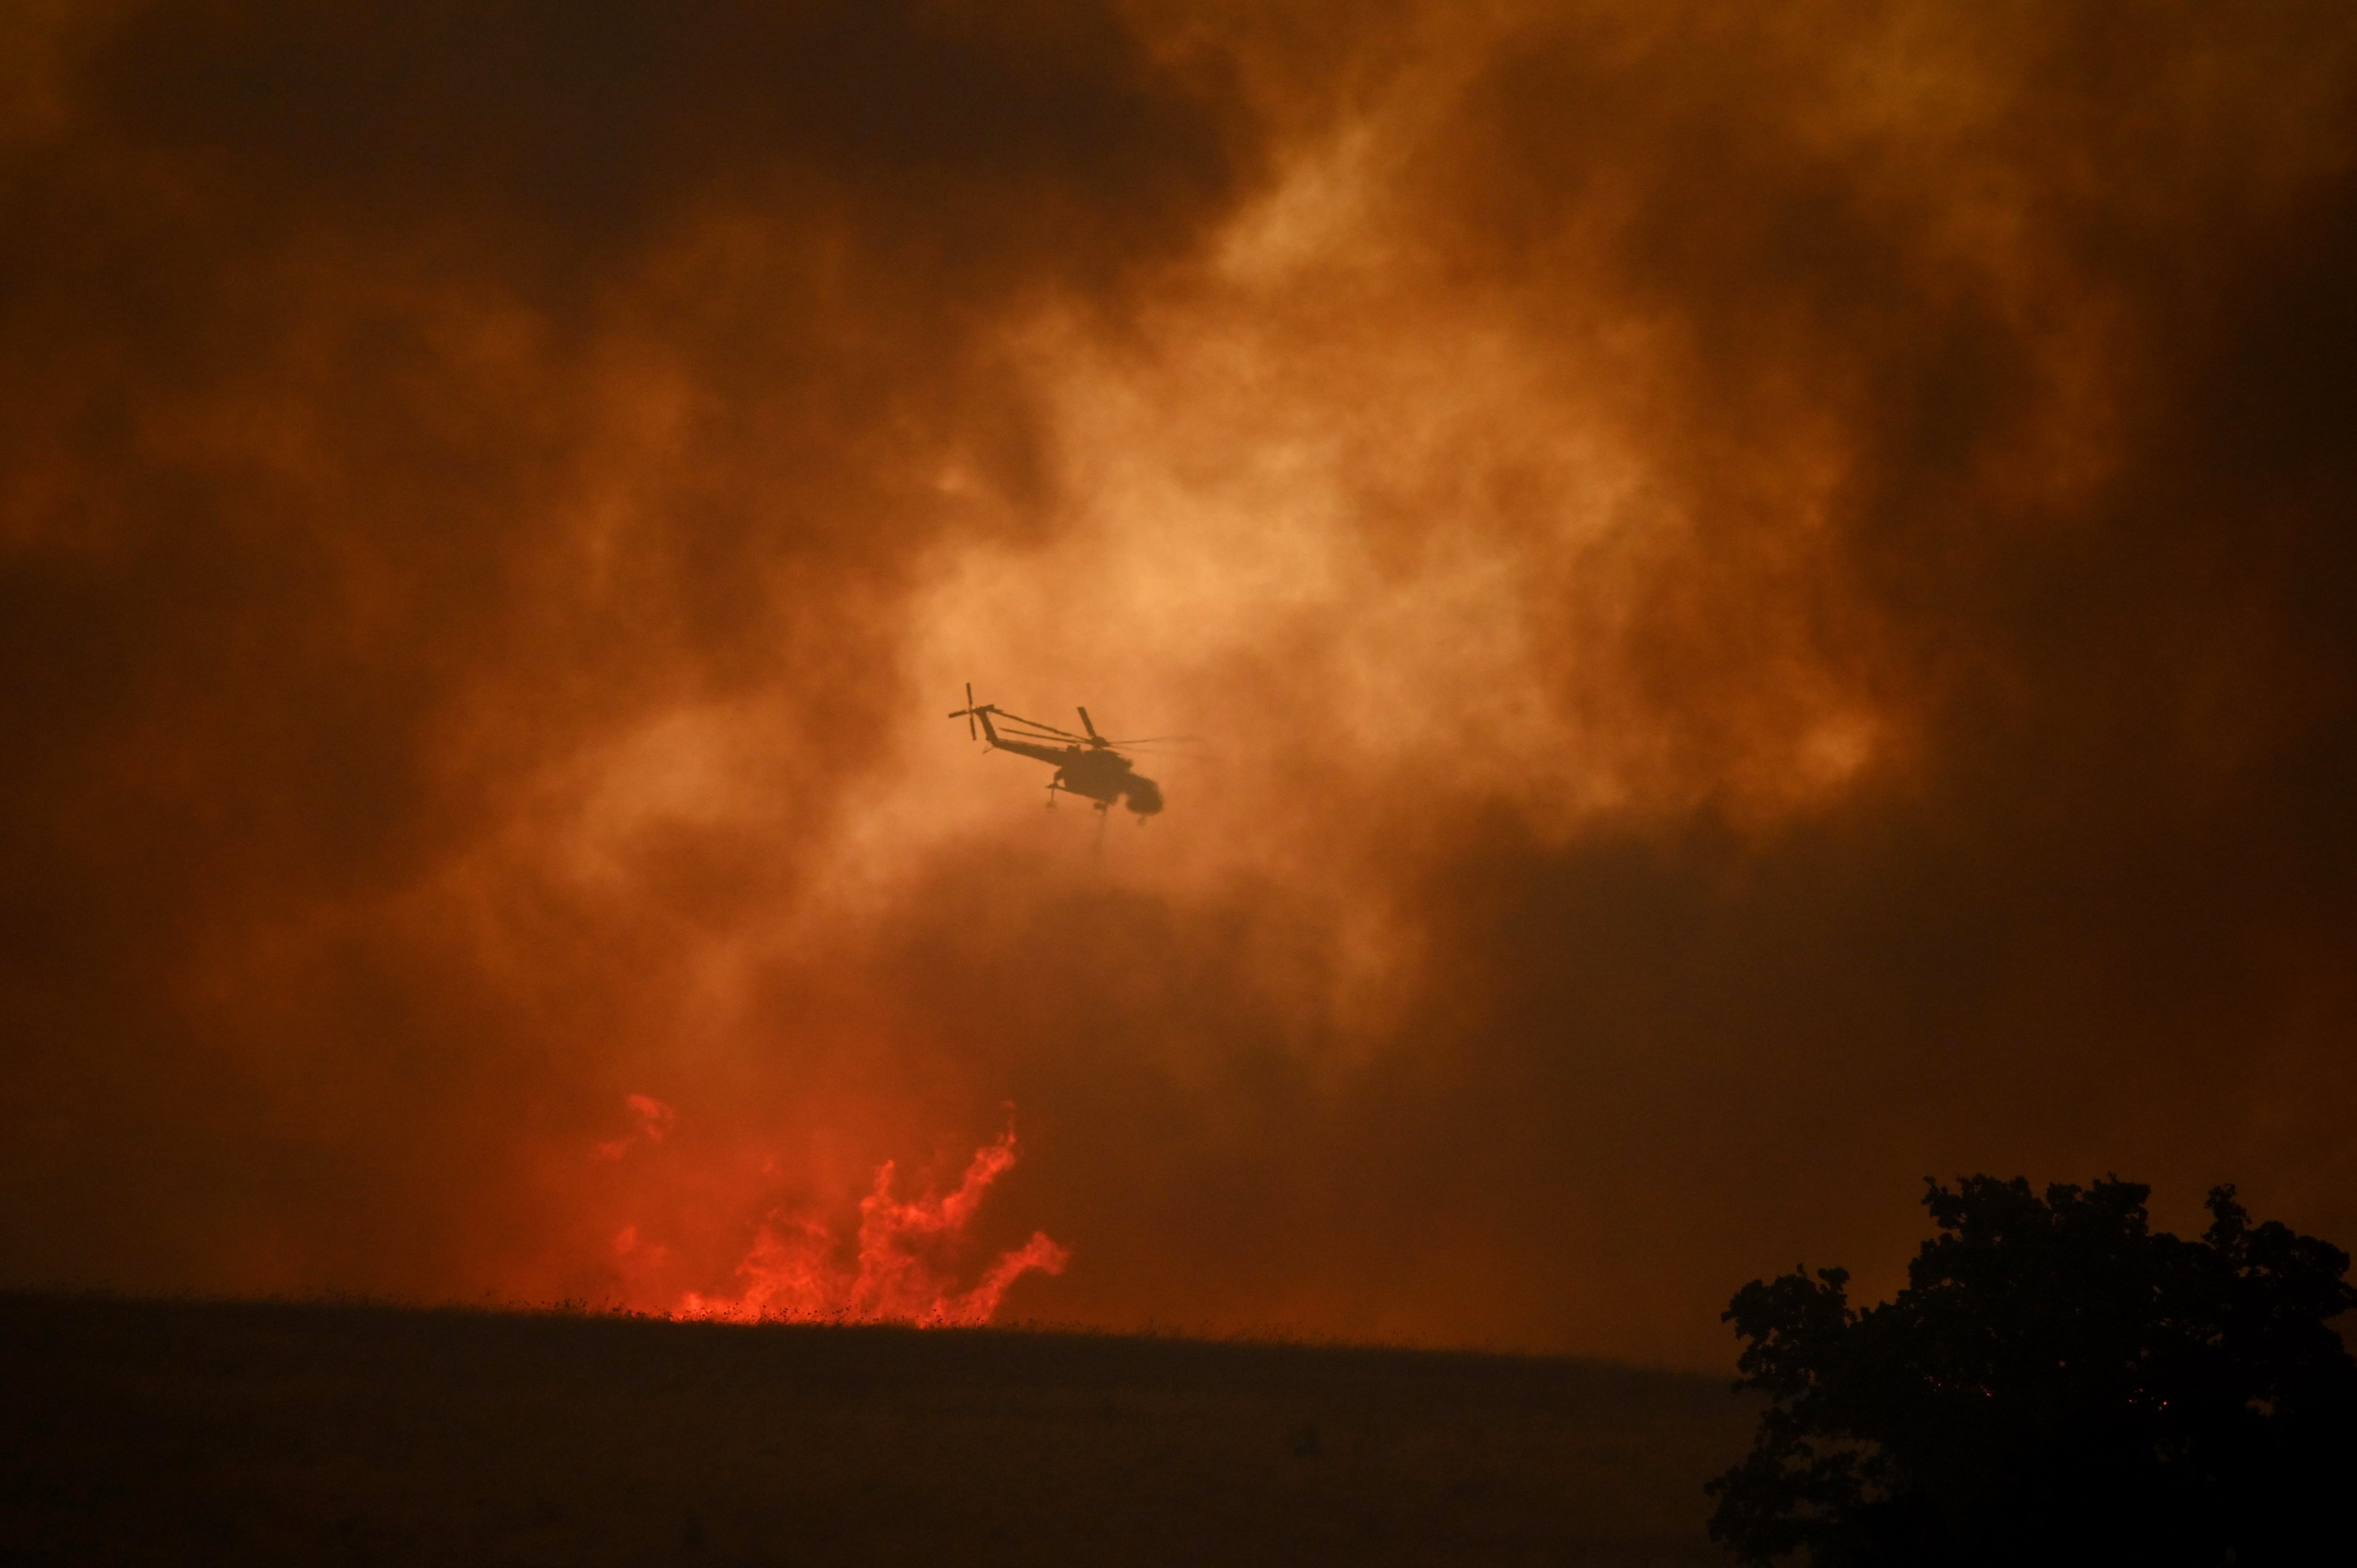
(1087, 765)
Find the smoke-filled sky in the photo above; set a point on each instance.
(1772, 594)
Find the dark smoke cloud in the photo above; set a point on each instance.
(400, 399)
(1773, 595)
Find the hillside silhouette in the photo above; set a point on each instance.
(256, 1433)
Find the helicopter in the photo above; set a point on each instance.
(1086, 765)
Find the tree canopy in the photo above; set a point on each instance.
(2057, 1381)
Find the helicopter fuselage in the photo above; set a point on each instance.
(1094, 773)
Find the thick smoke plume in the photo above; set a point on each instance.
(1770, 595)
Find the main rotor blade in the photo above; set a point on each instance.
(1035, 723)
(1088, 726)
(1159, 739)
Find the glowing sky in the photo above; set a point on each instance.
(1771, 591)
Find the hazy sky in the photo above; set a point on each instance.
(1772, 590)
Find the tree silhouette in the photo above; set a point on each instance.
(2056, 1383)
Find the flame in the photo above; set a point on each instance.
(793, 1275)
(902, 1269)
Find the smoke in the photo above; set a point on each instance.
(1768, 594)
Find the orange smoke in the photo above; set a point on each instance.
(1746, 569)
(655, 1120)
(904, 1266)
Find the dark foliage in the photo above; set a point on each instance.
(2056, 1383)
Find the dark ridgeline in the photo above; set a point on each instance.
(2056, 1383)
(256, 1433)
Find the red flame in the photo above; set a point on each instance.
(903, 1269)
(793, 1275)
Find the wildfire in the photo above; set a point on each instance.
(903, 1268)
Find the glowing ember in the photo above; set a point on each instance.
(655, 1120)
